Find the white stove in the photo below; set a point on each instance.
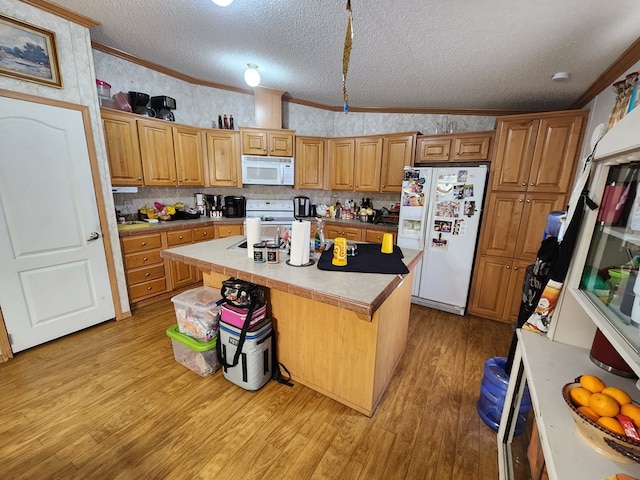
(270, 212)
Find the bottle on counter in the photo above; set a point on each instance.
(219, 121)
(225, 122)
(319, 237)
(231, 125)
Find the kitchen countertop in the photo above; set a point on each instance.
(362, 293)
(206, 221)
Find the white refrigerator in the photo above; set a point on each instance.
(440, 214)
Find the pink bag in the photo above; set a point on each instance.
(235, 316)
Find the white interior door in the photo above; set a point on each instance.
(53, 271)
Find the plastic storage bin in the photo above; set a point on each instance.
(198, 313)
(198, 356)
(493, 389)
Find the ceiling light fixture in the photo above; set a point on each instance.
(222, 3)
(561, 76)
(251, 75)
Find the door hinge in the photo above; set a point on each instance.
(10, 339)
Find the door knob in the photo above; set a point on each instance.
(93, 236)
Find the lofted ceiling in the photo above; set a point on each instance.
(406, 54)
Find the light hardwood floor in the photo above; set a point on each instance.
(110, 402)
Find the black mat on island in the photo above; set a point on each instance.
(368, 260)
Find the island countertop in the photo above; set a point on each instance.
(362, 293)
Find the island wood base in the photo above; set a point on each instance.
(347, 356)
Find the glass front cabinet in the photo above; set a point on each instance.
(601, 289)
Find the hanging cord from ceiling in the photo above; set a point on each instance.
(348, 41)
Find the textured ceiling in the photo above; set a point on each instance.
(456, 54)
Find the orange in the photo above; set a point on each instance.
(604, 405)
(612, 425)
(587, 412)
(632, 411)
(580, 396)
(620, 395)
(592, 383)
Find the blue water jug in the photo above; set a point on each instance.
(493, 389)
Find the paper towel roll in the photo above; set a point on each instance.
(300, 235)
(254, 233)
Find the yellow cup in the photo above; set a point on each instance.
(339, 252)
(387, 243)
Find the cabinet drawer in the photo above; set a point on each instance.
(140, 243)
(375, 236)
(145, 274)
(141, 259)
(146, 289)
(203, 233)
(179, 237)
(228, 230)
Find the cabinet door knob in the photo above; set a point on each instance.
(180, 180)
(145, 259)
(147, 274)
(520, 200)
(446, 154)
(144, 243)
(181, 237)
(528, 201)
(515, 268)
(524, 184)
(508, 267)
(139, 178)
(532, 184)
(204, 234)
(149, 288)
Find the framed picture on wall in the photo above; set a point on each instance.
(28, 52)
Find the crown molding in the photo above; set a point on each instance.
(62, 12)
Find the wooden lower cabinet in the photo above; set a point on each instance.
(498, 286)
(149, 275)
(335, 231)
(228, 230)
(181, 274)
(371, 235)
(144, 267)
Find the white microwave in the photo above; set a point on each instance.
(257, 170)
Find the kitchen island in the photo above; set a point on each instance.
(339, 333)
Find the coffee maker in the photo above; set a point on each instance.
(138, 102)
(234, 206)
(214, 205)
(301, 207)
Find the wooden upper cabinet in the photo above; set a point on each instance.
(171, 155)
(254, 142)
(537, 154)
(158, 157)
(397, 153)
(223, 158)
(368, 163)
(310, 162)
(123, 149)
(555, 154)
(471, 148)
(514, 154)
(434, 149)
(341, 161)
(281, 144)
(278, 143)
(187, 142)
(454, 147)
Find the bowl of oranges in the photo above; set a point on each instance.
(606, 418)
